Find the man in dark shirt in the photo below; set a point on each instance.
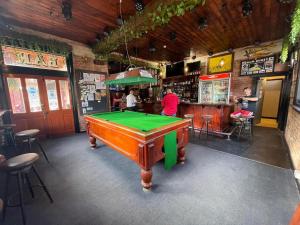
(248, 102)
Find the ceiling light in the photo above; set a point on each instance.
(67, 10)
(202, 23)
(106, 31)
(152, 47)
(247, 8)
(120, 21)
(173, 35)
(139, 5)
(165, 46)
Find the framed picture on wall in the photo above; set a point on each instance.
(220, 64)
(258, 66)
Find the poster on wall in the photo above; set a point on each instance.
(92, 92)
(220, 64)
(258, 66)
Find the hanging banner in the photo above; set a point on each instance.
(27, 58)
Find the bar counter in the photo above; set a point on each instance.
(220, 112)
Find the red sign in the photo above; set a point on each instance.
(215, 76)
(27, 58)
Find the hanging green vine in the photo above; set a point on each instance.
(158, 14)
(295, 25)
(284, 50)
(294, 34)
(15, 39)
(138, 63)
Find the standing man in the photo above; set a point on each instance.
(169, 104)
(248, 101)
(131, 101)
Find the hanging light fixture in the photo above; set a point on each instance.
(202, 23)
(152, 47)
(173, 35)
(139, 5)
(66, 9)
(247, 8)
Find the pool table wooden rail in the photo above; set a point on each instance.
(144, 148)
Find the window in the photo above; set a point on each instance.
(33, 95)
(64, 94)
(16, 95)
(52, 94)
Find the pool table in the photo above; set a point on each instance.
(138, 136)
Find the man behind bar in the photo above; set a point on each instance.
(169, 104)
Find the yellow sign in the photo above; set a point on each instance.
(27, 58)
(220, 64)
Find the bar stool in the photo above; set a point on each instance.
(1, 206)
(30, 137)
(206, 120)
(191, 118)
(20, 166)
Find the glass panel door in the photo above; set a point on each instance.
(52, 94)
(64, 94)
(16, 95)
(33, 95)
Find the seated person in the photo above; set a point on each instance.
(116, 101)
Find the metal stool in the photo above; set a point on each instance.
(191, 118)
(20, 166)
(30, 137)
(206, 120)
(244, 123)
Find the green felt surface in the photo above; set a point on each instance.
(170, 146)
(141, 121)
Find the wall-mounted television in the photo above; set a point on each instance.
(193, 67)
(175, 69)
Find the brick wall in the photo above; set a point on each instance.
(238, 83)
(292, 131)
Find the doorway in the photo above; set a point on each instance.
(40, 102)
(271, 99)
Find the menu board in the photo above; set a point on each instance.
(92, 92)
(258, 66)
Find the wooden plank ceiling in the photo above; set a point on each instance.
(227, 28)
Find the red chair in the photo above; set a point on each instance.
(296, 217)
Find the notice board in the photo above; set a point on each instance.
(92, 93)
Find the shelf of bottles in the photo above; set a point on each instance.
(185, 87)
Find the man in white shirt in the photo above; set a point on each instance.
(131, 101)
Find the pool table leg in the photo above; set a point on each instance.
(181, 155)
(92, 142)
(146, 179)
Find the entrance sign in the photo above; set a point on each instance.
(27, 58)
